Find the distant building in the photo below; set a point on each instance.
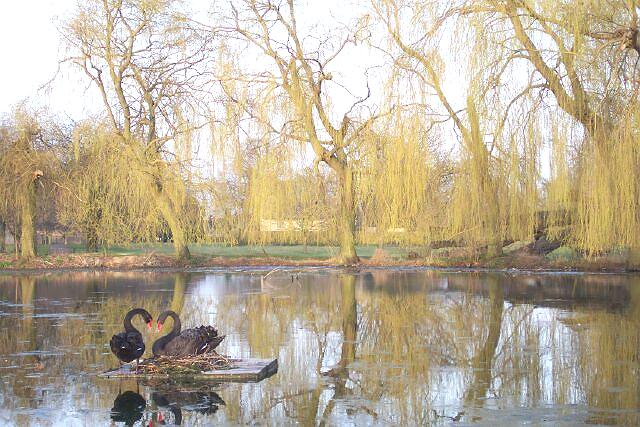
(281, 225)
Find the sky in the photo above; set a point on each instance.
(30, 50)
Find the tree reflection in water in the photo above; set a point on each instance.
(378, 346)
(340, 373)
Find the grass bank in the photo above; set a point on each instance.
(156, 256)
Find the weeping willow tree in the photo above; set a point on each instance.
(474, 209)
(518, 186)
(583, 56)
(526, 61)
(299, 70)
(608, 193)
(232, 154)
(147, 60)
(559, 189)
(26, 159)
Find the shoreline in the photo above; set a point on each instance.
(163, 263)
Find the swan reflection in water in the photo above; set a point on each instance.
(129, 406)
(204, 402)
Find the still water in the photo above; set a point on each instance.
(382, 347)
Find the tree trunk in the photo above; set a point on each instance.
(16, 237)
(168, 211)
(494, 246)
(346, 220)
(28, 220)
(93, 221)
(92, 239)
(3, 235)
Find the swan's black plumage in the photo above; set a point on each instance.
(189, 342)
(128, 345)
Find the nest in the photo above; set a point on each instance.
(185, 365)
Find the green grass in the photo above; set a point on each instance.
(293, 252)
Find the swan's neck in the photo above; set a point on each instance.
(159, 344)
(128, 327)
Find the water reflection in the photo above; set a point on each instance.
(128, 407)
(205, 402)
(164, 404)
(376, 347)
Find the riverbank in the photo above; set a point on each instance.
(137, 258)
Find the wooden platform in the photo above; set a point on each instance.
(243, 370)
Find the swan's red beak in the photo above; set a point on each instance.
(159, 326)
(149, 325)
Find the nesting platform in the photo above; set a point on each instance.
(242, 370)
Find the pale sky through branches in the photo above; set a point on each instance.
(32, 49)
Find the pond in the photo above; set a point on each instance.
(377, 346)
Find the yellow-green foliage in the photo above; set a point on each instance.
(559, 187)
(107, 200)
(27, 154)
(608, 195)
(520, 186)
(399, 184)
(427, 167)
(474, 211)
(285, 205)
(108, 193)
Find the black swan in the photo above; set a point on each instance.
(128, 345)
(189, 342)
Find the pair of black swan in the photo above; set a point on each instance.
(129, 346)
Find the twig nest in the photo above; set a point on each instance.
(185, 365)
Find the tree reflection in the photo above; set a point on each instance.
(483, 360)
(340, 373)
(180, 283)
(400, 348)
